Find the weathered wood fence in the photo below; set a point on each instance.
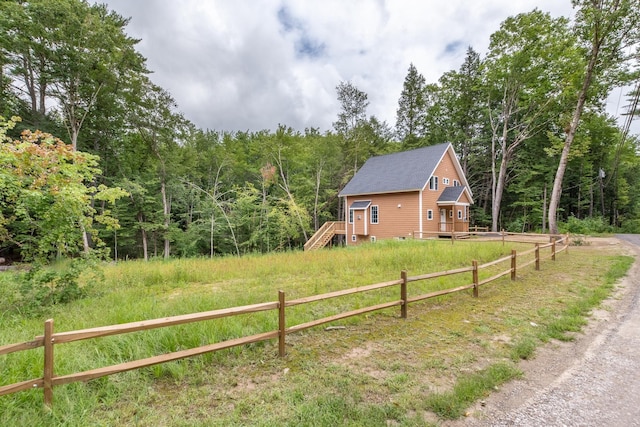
(50, 338)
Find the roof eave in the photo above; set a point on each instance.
(410, 190)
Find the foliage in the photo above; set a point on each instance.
(592, 225)
(70, 70)
(46, 195)
(42, 286)
(412, 109)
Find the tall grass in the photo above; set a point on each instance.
(134, 291)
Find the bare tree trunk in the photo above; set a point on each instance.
(494, 220)
(166, 210)
(544, 209)
(211, 236)
(145, 244)
(556, 192)
(85, 240)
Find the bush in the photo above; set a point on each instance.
(45, 286)
(593, 225)
(631, 226)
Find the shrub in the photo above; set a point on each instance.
(593, 225)
(44, 286)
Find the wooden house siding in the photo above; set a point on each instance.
(393, 221)
(406, 206)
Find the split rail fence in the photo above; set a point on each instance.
(50, 338)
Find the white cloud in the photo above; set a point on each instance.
(251, 65)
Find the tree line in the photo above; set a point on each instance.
(95, 157)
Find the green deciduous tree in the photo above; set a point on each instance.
(606, 28)
(46, 195)
(528, 68)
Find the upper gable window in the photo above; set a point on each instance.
(445, 181)
(433, 183)
(374, 214)
(456, 183)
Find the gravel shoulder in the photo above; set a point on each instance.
(591, 381)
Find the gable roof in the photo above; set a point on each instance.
(398, 172)
(452, 194)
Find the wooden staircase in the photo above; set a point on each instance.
(323, 236)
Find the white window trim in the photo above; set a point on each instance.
(351, 216)
(433, 183)
(377, 209)
(353, 238)
(451, 213)
(430, 214)
(445, 181)
(459, 213)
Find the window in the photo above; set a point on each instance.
(466, 213)
(451, 213)
(459, 214)
(430, 214)
(350, 216)
(374, 214)
(433, 183)
(445, 181)
(456, 183)
(353, 237)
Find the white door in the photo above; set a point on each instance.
(443, 220)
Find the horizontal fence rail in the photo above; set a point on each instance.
(557, 244)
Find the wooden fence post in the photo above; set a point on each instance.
(281, 324)
(566, 242)
(475, 278)
(513, 264)
(403, 294)
(502, 232)
(537, 256)
(48, 362)
(553, 248)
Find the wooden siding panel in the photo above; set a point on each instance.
(399, 213)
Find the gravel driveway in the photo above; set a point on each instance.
(592, 381)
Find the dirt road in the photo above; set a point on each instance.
(592, 381)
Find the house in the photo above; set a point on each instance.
(414, 193)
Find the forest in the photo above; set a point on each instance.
(96, 158)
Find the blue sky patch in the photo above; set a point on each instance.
(454, 47)
(305, 46)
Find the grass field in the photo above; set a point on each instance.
(378, 370)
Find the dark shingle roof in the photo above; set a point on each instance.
(360, 205)
(404, 171)
(451, 194)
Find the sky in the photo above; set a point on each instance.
(251, 65)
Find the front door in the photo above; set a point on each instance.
(443, 220)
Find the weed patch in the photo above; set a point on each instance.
(469, 388)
